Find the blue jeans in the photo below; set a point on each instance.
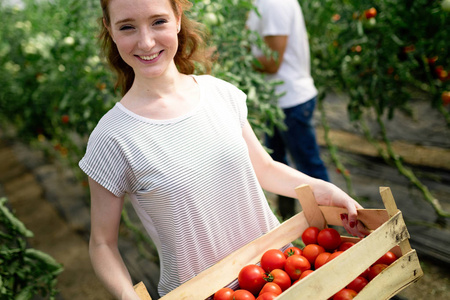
(299, 140)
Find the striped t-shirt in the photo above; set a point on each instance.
(190, 179)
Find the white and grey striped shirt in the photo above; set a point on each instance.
(190, 179)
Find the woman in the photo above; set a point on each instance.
(180, 146)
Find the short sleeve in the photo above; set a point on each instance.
(276, 17)
(106, 163)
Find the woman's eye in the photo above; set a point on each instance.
(126, 27)
(160, 22)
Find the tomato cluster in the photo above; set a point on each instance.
(278, 270)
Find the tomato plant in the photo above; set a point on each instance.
(296, 265)
(358, 284)
(311, 252)
(271, 287)
(345, 294)
(309, 236)
(273, 259)
(243, 295)
(224, 294)
(291, 251)
(279, 277)
(329, 238)
(251, 278)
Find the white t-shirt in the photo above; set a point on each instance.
(190, 179)
(285, 18)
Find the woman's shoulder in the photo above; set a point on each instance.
(213, 82)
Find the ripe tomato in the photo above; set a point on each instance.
(446, 98)
(271, 287)
(291, 251)
(345, 294)
(267, 296)
(321, 259)
(309, 236)
(279, 277)
(251, 278)
(358, 284)
(345, 245)
(334, 255)
(375, 270)
(224, 294)
(296, 265)
(305, 273)
(370, 13)
(329, 238)
(387, 259)
(365, 274)
(65, 119)
(311, 251)
(273, 259)
(243, 295)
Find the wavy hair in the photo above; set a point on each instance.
(191, 46)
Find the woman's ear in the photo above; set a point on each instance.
(108, 28)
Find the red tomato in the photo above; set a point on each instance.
(279, 277)
(309, 236)
(329, 238)
(375, 270)
(251, 278)
(271, 287)
(358, 284)
(321, 259)
(345, 245)
(334, 255)
(267, 296)
(311, 251)
(296, 265)
(273, 259)
(370, 13)
(291, 251)
(365, 274)
(243, 295)
(345, 294)
(387, 259)
(65, 119)
(224, 294)
(305, 273)
(445, 98)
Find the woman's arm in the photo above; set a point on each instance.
(281, 179)
(106, 211)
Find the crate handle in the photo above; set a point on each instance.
(141, 291)
(311, 209)
(391, 208)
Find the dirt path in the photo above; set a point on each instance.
(53, 234)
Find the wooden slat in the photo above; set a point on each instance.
(224, 272)
(335, 275)
(141, 291)
(403, 272)
(310, 207)
(391, 208)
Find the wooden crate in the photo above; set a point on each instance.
(389, 233)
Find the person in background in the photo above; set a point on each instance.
(180, 146)
(282, 26)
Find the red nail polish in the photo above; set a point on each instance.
(342, 216)
(352, 224)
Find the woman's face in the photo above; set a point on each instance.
(145, 32)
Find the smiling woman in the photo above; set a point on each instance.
(180, 146)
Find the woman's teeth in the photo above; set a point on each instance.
(145, 57)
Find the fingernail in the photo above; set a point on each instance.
(352, 224)
(342, 216)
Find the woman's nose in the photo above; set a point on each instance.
(146, 40)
